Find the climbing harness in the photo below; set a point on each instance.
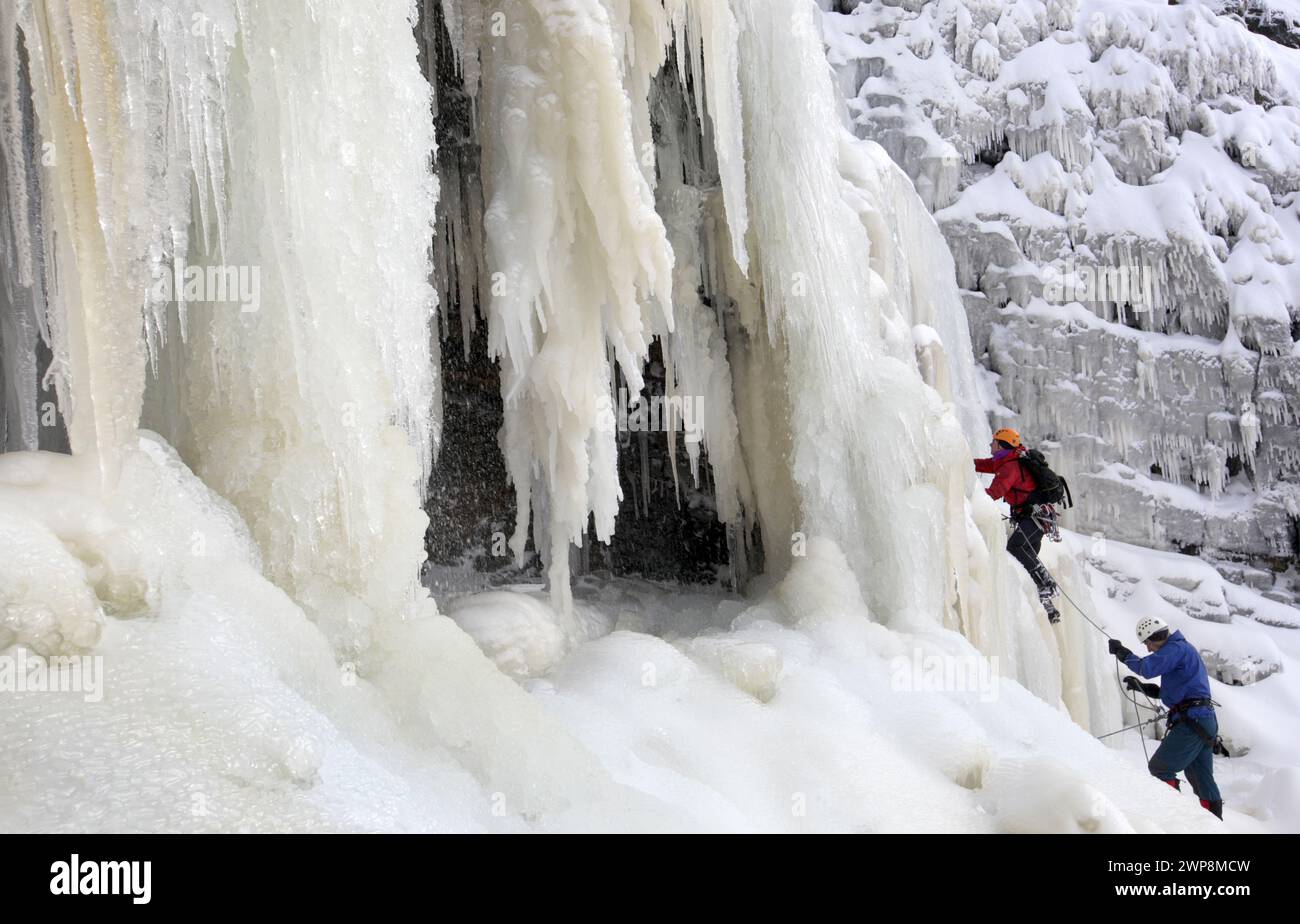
(1045, 516)
(1178, 714)
(1186, 704)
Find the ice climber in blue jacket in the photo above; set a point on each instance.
(1189, 745)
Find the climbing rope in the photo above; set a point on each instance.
(1062, 592)
(1131, 697)
(1154, 718)
(1067, 596)
(1081, 612)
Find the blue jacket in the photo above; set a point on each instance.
(1181, 671)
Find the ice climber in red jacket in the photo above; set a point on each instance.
(1014, 485)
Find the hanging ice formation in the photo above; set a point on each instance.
(737, 277)
(296, 378)
(640, 181)
(806, 297)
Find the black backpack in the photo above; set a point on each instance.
(1050, 488)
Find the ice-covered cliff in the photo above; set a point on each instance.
(218, 257)
(1117, 182)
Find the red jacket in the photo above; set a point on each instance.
(1010, 480)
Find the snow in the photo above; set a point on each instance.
(225, 709)
(324, 448)
(520, 632)
(236, 537)
(1250, 645)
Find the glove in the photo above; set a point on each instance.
(1137, 686)
(1116, 647)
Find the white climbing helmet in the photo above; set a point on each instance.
(1149, 626)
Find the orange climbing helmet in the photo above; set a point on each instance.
(1008, 436)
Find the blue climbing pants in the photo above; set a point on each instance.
(1184, 749)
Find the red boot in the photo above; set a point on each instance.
(1215, 808)
(1175, 782)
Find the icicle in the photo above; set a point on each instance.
(22, 283)
(1249, 431)
(709, 30)
(576, 254)
(298, 334)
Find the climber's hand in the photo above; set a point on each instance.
(1137, 686)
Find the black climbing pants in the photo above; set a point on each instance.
(1026, 539)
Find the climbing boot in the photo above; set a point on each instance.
(1053, 614)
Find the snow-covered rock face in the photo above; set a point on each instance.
(1117, 182)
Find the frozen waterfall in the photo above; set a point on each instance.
(222, 260)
